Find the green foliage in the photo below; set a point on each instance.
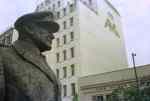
(76, 97)
(130, 94)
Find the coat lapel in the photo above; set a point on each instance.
(37, 61)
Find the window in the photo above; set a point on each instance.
(108, 97)
(53, 6)
(72, 36)
(64, 11)
(65, 39)
(72, 52)
(64, 24)
(65, 90)
(65, 54)
(97, 98)
(73, 89)
(47, 1)
(72, 69)
(71, 21)
(57, 42)
(9, 39)
(90, 2)
(65, 72)
(148, 84)
(57, 73)
(71, 8)
(58, 3)
(49, 8)
(57, 57)
(3, 41)
(58, 15)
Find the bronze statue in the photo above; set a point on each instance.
(24, 72)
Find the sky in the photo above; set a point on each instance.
(135, 16)
(136, 27)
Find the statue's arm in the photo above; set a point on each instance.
(2, 80)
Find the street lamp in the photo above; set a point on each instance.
(135, 72)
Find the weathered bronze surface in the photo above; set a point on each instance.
(24, 72)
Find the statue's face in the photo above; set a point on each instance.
(43, 39)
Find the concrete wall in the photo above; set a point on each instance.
(101, 51)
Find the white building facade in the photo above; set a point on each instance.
(7, 37)
(90, 41)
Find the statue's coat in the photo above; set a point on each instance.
(25, 76)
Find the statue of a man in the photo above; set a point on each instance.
(24, 72)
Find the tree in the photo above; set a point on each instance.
(130, 94)
(76, 97)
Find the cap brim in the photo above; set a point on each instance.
(51, 26)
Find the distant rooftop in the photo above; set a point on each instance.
(118, 75)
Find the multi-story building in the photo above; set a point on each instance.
(8, 36)
(90, 41)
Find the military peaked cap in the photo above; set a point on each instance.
(42, 19)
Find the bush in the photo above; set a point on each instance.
(130, 94)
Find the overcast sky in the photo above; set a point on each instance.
(136, 26)
(135, 18)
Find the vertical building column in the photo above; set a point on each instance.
(104, 97)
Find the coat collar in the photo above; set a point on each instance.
(24, 47)
(32, 55)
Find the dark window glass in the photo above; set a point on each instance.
(58, 3)
(72, 52)
(72, 69)
(65, 72)
(58, 15)
(65, 39)
(71, 7)
(58, 42)
(72, 36)
(57, 73)
(57, 57)
(71, 21)
(64, 11)
(65, 54)
(73, 88)
(65, 24)
(65, 90)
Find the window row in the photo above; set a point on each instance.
(64, 39)
(6, 40)
(65, 89)
(65, 73)
(65, 55)
(64, 11)
(54, 6)
(65, 25)
(102, 97)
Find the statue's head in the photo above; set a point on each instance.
(39, 27)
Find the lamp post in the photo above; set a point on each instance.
(135, 72)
